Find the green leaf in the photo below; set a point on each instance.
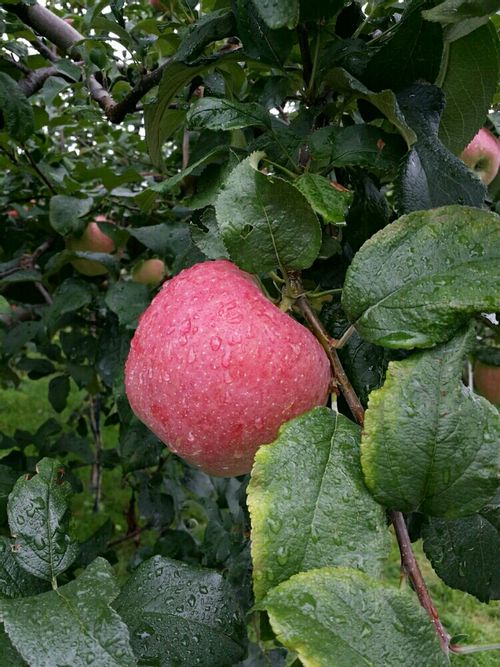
(175, 75)
(173, 181)
(431, 175)
(71, 295)
(73, 625)
(65, 213)
(214, 113)
(38, 511)
(128, 300)
(411, 53)
(326, 200)
(469, 86)
(58, 392)
(344, 614)
(181, 615)
(278, 13)
(454, 11)
(309, 505)
(16, 109)
(420, 278)
(14, 581)
(429, 444)
(138, 447)
(385, 101)
(275, 226)
(465, 553)
(259, 41)
(209, 28)
(362, 145)
(207, 236)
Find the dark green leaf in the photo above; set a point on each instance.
(453, 11)
(385, 101)
(95, 545)
(278, 13)
(344, 613)
(428, 444)
(8, 477)
(128, 300)
(58, 392)
(73, 625)
(332, 521)
(10, 657)
(328, 201)
(38, 518)
(466, 552)
(213, 113)
(411, 53)
(431, 175)
(275, 225)
(362, 145)
(420, 278)
(181, 615)
(259, 41)
(469, 86)
(175, 75)
(19, 335)
(71, 295)
(14, 581)
(209, 28)
(16, 109)
(65, 213)
(139, 448)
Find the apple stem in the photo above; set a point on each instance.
(409, 564)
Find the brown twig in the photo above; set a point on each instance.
(410, 566)
(96, 471)
(38, 171)
(330, 346)
(129, 536)
(32, 83)
(409, 563)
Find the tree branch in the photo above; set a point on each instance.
(410, 566)
(32, 83)
(408, 561)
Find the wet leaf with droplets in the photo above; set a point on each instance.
(429, 444)
(418, 280)
(275, 224)
(181, 615)
(38, 511)
(309, 505)
(344, 617)
(465, 553)
(73, 625)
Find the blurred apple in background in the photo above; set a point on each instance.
(482, 155)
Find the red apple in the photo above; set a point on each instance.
(487, 381)
(482, 155)
(92, 240)
(149, 272)
(215, 368)
(12, 213)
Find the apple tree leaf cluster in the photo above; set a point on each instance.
(317, 145)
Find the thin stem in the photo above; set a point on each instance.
(330, 346)
(280, 166)
(129, 536)
(410, 566)
(473, 648)
(307, 66)
(44, 293)
(96, 473)
(41, 175)
(314, 65)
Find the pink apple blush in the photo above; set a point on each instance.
(215, 368)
